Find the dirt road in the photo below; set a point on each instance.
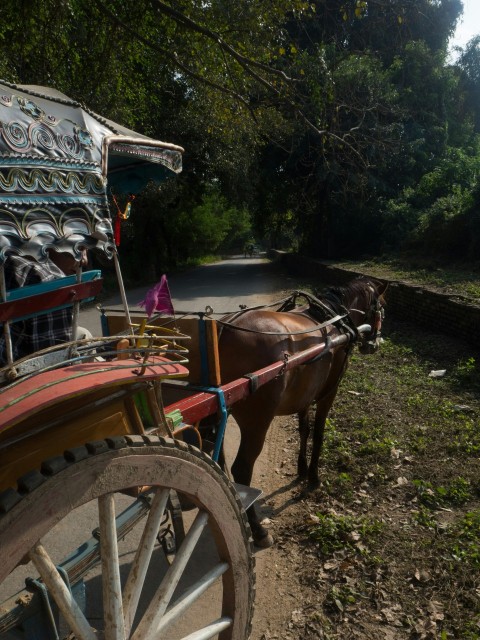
(224, 286)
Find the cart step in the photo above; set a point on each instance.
(247, 495)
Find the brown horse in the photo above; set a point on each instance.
(255, 338)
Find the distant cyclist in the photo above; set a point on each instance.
(249, 249)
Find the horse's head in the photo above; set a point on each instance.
(370, 306)
(360, 303)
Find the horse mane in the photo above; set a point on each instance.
(341, 294)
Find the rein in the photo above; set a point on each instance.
(324, 314)
(317, 327)
(329, 311)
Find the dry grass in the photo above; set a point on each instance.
(394, 530)
(460, 279)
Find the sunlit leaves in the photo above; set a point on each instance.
(343, 100)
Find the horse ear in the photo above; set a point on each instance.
(382, 288)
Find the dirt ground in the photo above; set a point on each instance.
(284, 600)
(279, 596)
(402, 581)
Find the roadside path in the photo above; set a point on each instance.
(224, 286)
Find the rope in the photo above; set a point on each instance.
(285, 305)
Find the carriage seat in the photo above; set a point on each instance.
(203, 356)
(37, 299)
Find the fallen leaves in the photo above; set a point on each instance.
(393, 615)
(426, 627)
(422, 576)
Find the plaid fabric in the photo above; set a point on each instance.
(44, 330)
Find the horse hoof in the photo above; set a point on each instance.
(302, 473)
(264, 542)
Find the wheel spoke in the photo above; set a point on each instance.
(138, 570)
(60, 593)
(147, 627)
(210, 631)
(189, 602)
(191, 595)
(112, 590)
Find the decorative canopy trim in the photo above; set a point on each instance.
(54, 169)
(168, 155)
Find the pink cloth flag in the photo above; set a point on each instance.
(158, 299)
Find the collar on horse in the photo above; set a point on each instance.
(327, 311)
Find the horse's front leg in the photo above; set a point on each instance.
(317, 446)
(324, 404)
(323, 409)
(251, 445)
(304, 431)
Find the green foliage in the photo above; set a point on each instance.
(425, 518)
(466, 547)
(333, 532)
(377, 448)
(466, 371)
(339, 597)
(471, 629)
(336, 127)
(208, 225)
(167, 229)
(469, 63)
(335, 445)
(457, 493)
(466, 438)
(436, 217)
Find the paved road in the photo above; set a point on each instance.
(223, 285)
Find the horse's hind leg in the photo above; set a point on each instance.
(304, 431)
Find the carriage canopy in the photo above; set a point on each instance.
(58, 162)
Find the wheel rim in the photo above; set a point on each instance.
(217, 516)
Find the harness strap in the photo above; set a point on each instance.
(317, 327)
(316, 306)
(253, 381)
(223, 409)
(328, 347)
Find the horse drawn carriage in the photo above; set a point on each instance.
(100, 448)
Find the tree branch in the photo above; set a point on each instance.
(173, 57)
(245, 62)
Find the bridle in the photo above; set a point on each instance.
(374, 317)
(336, 313)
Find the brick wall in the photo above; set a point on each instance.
(436, 311)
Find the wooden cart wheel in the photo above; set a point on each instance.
(176, 605)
